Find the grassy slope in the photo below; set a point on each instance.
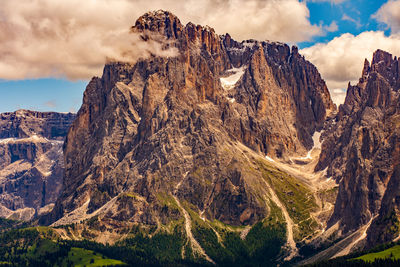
(297, 198)
(40, 246)
(262, 245)
(83, 257)
(393, 253)
(382, 255)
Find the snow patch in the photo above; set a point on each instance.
(317, 145)
(269, 159)
(232, 100)
(229, 82)
(33, 138)
(236, 50)
(316, 136)
(308, 156)
(7, 140)
(250, 44)
(202, 216)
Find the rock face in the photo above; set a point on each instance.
(31, 161)
(362, 152)
(177, 128)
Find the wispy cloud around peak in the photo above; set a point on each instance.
(73, 39)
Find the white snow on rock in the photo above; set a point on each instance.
(7, 140)
(250, 44)
(232, 100)
(317, 145)
(269, 159)
(306, 157)
(229, 82)
(315, 138)
(33, 138)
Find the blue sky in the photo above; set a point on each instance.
(350, 16)
(45, 83)
(41, 94)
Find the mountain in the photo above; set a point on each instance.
(223, 152)
(31, 161)
(361, 152)
(194, 146)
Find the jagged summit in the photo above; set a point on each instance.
(160, 21)
(382, 56)
(361, 152)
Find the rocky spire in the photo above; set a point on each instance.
(366, 68)
(382, 56)
(160, 21)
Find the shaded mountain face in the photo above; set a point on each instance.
(361, 151)
(190, 132)
(31, 161)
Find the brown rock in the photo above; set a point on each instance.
(165, 127)
(31, 161)
(361, 150)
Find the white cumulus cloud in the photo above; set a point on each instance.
(389, 14)
(341, 60)
(72, 39)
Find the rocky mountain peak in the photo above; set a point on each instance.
(381, 56)
(295, 50)
(160, 21)
(361, 151)
(189, 132)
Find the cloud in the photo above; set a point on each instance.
(332, 1)
(72, 39)
(283, 20)
(389, 14)
(51, 104)
(353, 20)
(341, 60)
(338, 96)
(333, 27)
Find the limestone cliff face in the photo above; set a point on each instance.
(179, 126)
(31, 161)
(362, 149)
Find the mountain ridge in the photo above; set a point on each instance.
(31, 162)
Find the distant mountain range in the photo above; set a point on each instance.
(31, 161)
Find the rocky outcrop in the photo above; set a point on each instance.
(362, 151)
(26, 123)
(177, 128)
(31, 161)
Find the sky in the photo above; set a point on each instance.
(50, 49)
